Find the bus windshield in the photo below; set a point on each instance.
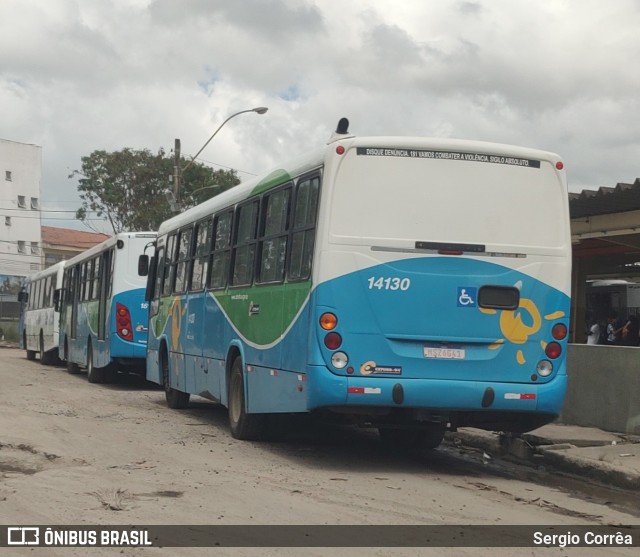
(405, 200)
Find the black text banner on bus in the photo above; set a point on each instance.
(446, 155)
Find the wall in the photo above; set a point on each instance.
(604, 388)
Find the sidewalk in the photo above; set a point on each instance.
(608, 458)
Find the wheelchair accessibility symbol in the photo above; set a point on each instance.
(467, 296)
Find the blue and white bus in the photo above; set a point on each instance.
(408, 284)
(40, 317)
(104, 316)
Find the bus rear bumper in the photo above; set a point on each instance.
(463, 403)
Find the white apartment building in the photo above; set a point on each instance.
(20, 214)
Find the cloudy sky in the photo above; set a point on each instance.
(81, 75)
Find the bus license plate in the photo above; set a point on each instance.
(444, 353)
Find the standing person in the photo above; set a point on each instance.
(593, 331)
(630, 332)
(614, 329)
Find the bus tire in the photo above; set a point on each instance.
(31, 354)
(176, 399)
(45, 357)
(94, 374)
(246, 427)
(429, 438)
(72, 367)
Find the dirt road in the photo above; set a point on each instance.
(76, 453)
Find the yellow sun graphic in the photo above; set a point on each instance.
(518, 325)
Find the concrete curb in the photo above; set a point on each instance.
(588, 458)
(602, 472)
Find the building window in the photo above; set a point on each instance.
(35, 248)
(7, 175)
(7, 221)
(35, 204)
(22, 246)
(22, 202)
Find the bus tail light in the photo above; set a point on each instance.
(328, 321)
(123, 322)
(339, 360)
(553, 350)
(544, 368)
(559, 331)
(333, 341)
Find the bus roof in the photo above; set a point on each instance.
(107, 244)
(49, 271)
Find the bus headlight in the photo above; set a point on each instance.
(339, 360)
(544, 368)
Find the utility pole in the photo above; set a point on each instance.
(176, 171)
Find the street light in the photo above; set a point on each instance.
(177, 175)
(212, 186)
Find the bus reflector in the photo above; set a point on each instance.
(340, 150)
(123, 322)
(559, 165)
(328, 321)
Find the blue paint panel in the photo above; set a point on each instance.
(262, 383)
(134, 301)
(393, 327)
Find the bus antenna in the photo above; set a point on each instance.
(343, 126)
(342, 131)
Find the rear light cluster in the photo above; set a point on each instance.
(123, 322)
(333, 340)
(552, 350)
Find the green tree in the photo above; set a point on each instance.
(128, 188)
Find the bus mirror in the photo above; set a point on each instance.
(23, 296)
(143, 265)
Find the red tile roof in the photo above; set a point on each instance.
(68, 237)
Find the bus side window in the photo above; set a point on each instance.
(245, 244)
(183, 257)
(95, 294)
(274, 236)
(111, 262)
(159, 274)
(303, 229)
(169, 266)
(48, 299)
(220, 250)
(38, 302)
(201, 255)
(83, 281)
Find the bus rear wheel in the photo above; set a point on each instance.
(175, 399)
(94, 374)
(72, 367)
(244, 426)
(429, 438)
(31, 354)
(45, 357)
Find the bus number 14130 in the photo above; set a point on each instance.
(389, 283)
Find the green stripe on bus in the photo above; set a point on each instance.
(276, 178)
(262, 314)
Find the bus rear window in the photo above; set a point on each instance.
(378, 198)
